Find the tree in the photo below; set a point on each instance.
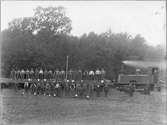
(52, 19)
(21, 24)
(50, 46)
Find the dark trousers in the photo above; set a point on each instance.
(40, 76)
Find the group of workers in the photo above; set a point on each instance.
(57, 74)
(85, 89)
(74, 83)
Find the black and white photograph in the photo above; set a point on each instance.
(83, 62)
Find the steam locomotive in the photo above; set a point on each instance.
(144, 80)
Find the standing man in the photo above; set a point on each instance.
(85, 75)
(48, 89)
(38, 87)
(69, 76)
(36, 73)
(33, 88)
(97, 74)
(106, 89)
(18, 74)
(92, 87)
(13, 74)
(57, 87)
(62, 75)
(67, 88)
(80, 74)
(43, 86)
(91, 75)
(56, 74)
(50, 73)
(31, 74)
(97, 89)
(41, 74)
(27, 74)
(103, 73)
(22, 73)
(131, 87)
(26, 87)
(45, 74)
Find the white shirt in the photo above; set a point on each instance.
(32, 71)
(57, 85)
(26, 84)
(41, 71)
(91, 73)
(103, 72)
(22, 71)
(98, 72)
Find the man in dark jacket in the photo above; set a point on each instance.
(106, 89)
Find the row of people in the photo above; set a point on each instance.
(72, 89)
(57, 74)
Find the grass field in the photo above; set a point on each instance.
(117, 109)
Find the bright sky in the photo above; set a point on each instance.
(147, 18)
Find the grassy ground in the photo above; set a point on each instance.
(117, 109)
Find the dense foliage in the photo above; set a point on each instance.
(44, 40)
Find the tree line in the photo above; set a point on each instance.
(44, 40)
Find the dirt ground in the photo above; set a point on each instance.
(117, 109)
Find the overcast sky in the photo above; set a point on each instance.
(147, 18)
